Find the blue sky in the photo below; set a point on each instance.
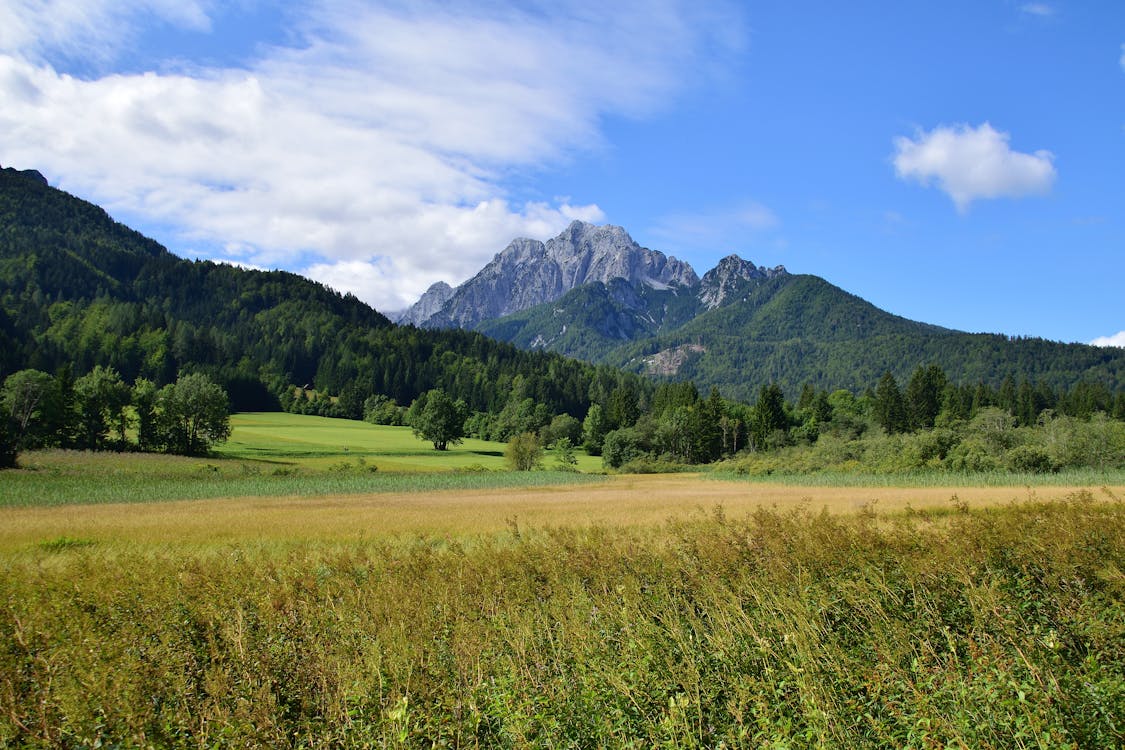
(958, 163)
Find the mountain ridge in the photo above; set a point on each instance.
(80, 289)
(742, 326)
(528, 272)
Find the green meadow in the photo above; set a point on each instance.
(275, 455)
(317, 443)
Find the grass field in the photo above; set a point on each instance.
(328, 606)
(461, 507)
(278, 439)
(994, 627)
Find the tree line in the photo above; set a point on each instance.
(101, 411)
(646, 426)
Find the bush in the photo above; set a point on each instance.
(620, 447)
(524, 452)
(563, 426)
(1098, 442)
(380, 409)
(1030, 459)
(973, 454)
(565, 460)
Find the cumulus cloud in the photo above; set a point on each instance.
(373, 153)
(1117, 339)
(972, 163)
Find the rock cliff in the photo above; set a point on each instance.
(528, 273)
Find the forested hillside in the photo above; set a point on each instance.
(78, 289)
(801, 329)
(789, 330)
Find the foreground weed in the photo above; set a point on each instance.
(994, 628)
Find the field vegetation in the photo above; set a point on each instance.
(960, 626)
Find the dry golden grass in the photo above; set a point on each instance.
(619, 501)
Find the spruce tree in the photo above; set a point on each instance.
(890, 407)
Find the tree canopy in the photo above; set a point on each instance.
(436, 417)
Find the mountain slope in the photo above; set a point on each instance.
(591, 320)
(742, 326)
(79, 289)
(797, 329)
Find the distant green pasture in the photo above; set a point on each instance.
(318, 443)
(275, 455)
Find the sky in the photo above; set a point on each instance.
(960, 162)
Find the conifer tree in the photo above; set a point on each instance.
(890, 407)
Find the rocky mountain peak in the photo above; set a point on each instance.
(528, 273)
(430, 303)
(588, 252)
(730, 274)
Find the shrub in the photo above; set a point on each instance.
(1030, 459)
(524, 452)
(973, 454)
(565, 460)
(620, 447)
(650, 465)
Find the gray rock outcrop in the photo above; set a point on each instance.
(729, 276)
(529, 273)
(427, 306)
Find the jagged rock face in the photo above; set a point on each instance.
(724, 280)
(586, 253)
(518, 278)
(529, 273)
(429, 304)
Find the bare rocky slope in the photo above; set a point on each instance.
(528, 273)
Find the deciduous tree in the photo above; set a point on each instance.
(438, 418)
(193, 414)
(101, 398)
(31, 398)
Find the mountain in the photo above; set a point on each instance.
(727, 279)
(78, 289)
(592, 320)
(740, 326)
(428, 306)
(528, 273)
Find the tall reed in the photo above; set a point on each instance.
(982, 628)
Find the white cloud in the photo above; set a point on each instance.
(383, 137)
(972, 163)
(715, 232)
(1038, 9)
(434, 248)
(1122, 61)
(90, 30)
(1117, 339)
